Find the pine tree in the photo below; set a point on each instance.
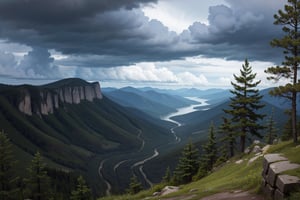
(38, 181)
(7, 173)
(209, 154)
(287, 132)
(168, 176)
(271, 133)
(187, 166)
(229, 138)
(210, 149)
(289, 20)
(135, 186)
(245, 104)
(82, 191)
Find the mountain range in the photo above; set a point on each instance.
(109, 134)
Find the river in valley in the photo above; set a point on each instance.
(140, 164)
(183, 111)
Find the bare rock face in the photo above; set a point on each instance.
(52, 98)
(25, 103)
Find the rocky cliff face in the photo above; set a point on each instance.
(46, 100)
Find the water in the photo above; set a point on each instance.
(186, 110)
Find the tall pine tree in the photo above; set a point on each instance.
(82, 192)
(134, 186)
(38, 181)
(229, 138)
(289, 20)
(271, 129)
(245, 105)
(187, 166)
(7, 173)
(210, 149)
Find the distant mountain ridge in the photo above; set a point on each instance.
(44, 99)
(152, 102)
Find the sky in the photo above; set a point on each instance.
(157, 43)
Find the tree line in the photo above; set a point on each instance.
(40, 182)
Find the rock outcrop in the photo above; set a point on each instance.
(277, 185)
(44, 100)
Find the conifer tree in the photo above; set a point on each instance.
(7, 174)
(229, 138)
(38, 181)
(271, 133)
(82, 192)
(168, 176)
(245, 105)
(210, 149)
(187, 166)
(135, 186)
(289, 20)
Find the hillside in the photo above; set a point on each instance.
(240, 175)
(74, 127)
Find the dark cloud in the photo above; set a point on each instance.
(105, 33)
(38, 63)
(60, 11)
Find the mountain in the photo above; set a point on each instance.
(76, 128)
(151, 102)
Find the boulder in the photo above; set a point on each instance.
(277, 168)
(287, 183)
(168, 190)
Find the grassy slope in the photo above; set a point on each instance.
(229, 177)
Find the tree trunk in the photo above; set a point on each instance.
(243, 141)
(294, 117)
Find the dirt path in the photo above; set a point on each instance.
(237, 195)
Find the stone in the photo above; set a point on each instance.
(271, 158)
(247, 150)
(168, 190)
(256, 149)
(265, 149)
(279, 167)
(269, 191)
(278, 195)
(256, 142)
(193, 190)
(254, 158)
(287, 183)
(156, 194)
(239, 161)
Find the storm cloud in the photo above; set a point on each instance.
(114, 33)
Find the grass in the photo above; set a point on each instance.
(228, 178)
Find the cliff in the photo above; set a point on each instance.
(43, 100)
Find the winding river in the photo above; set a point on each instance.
(140, 164)
(183, 111)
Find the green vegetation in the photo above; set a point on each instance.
(227, 177)
(245, 104)
(271, 129)
(289, 20)
(38, 182)
(82, 191)
(187, 166)
(135, 186)
(7, 174)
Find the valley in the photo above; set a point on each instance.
(111, 135)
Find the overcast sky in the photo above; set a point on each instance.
(159, 43)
